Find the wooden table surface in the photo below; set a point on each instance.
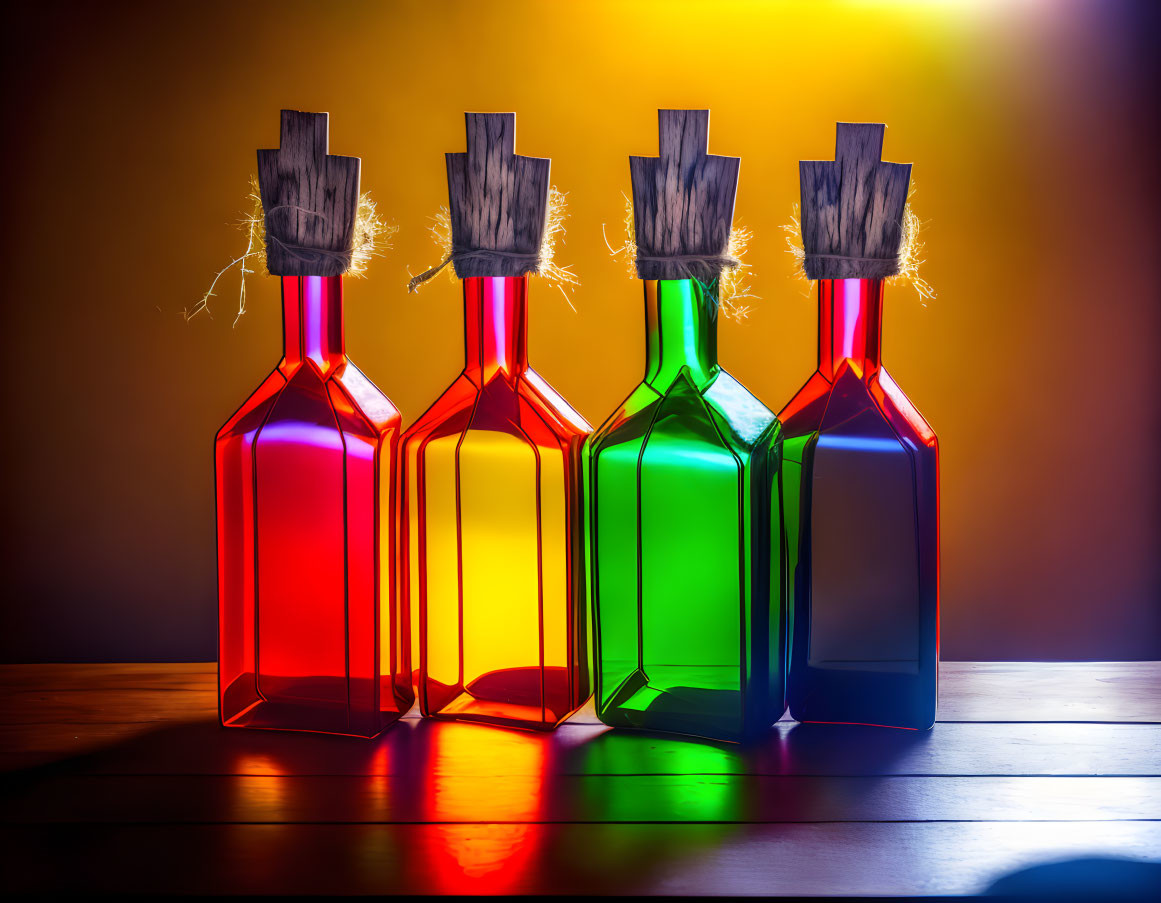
(117, 778)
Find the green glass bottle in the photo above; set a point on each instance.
(684, 533)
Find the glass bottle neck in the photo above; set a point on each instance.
(681, 331)
(850, 320)
(312, 321)
(495, 326)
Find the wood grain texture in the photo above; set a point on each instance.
(310, 198)
(683, 200)
(852, 208)
(497, 200)
(1050, 691)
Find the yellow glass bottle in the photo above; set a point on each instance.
(492, 561)
(492, 510)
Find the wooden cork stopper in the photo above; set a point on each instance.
(683, 201)
(497, 200)
(310, 199)
(852, 209)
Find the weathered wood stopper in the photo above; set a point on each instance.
(310, 199)
(852, 209)
(498, 201)
(683, 201)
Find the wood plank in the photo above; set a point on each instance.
(396, 799)
(49, 712)
(969, 691)
(868, 858)
(53, 711)
(105, 676)
(423, 747)
(1050, 691)
(132, 706)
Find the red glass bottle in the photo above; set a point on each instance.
(861, 494)
(304, 498)
(491, 540)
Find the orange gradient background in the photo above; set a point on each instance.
(130, 140)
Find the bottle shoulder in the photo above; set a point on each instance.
(803, 413)
(302, 413)
(749, 421)
(899, 411)
(525, 407)
(253, 411)
(722, 412)
(362, 399)
(447, 414)
(536, 390)
(822, 404)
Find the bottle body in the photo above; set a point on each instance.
(491, 523)
(684, 538)
(311, 636)
(860, 486)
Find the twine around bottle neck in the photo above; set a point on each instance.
(702, 267)
(309, 256)
(526, 263)
(844, 266)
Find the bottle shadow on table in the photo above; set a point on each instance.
(1087, 878)
(428, 806)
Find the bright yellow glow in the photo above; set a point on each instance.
(510, 555)
(498, 519)
(467, 758)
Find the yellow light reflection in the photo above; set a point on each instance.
(484, 789)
